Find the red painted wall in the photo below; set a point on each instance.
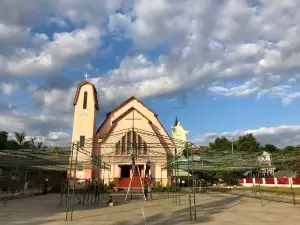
(269, 180)
(282, 180)
(296, 180)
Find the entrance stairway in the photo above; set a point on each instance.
(136, 183)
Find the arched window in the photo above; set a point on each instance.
(118, 148)
(145, 148)
(131, 141)
(85, 100)
(140, 142)
(128, 142)
(123, 145)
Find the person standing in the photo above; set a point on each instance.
(45, 190)
(146, 188)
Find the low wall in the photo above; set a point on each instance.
(270, 182)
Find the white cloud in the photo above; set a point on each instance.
(64, 49)
(280, 136)
(242, 41)
(8, 32)
(8, 88)
(58, 22)
(14, 121)
(229, 48)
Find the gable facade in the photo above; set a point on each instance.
(116, 137)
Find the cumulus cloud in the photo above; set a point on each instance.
(239, 51)
(242, 42)
(280, 136)
(12, 120)
(64, 49)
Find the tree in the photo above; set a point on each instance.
(32, 142)
(26, 145)
(270, 148)
(289, 148)
(221, 144)
(248, 143)
(20, 137)
(3, 139)
(291, 158)
(12, 145)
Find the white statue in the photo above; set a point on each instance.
(179, 135)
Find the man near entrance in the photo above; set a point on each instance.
(146, 188)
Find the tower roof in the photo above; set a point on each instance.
(94, 93)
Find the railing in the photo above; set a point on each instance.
(282, 181)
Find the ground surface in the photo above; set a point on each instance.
(211, 209)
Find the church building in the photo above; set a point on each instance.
(131, 128)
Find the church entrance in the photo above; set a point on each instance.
(126, 171)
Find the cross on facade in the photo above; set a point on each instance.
(86, 76)
(133, 142)
(133, 119)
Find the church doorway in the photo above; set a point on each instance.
(125, 171)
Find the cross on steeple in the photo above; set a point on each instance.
(86, 76)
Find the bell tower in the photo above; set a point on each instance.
(85, 118)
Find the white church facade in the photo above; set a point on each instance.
(130, 123)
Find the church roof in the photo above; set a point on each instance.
(94, 93)
(123, 104)
(128, 101)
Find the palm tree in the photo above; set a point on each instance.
(32, 142)
(20, 137)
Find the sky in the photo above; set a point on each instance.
(223, 67)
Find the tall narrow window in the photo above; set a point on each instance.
(123, 145)
(128, 142)
(81, 143)
(145, 148)
(134, 140)
(139, 144)
(118, 148)
(85, 100)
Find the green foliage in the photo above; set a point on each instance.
(270, 148)
(26, 145)
(291, 156)
(12, 145)
(20, 142)
(3, 139)
(248, 143)
(20, 136)
(221, 144)
(289, 148)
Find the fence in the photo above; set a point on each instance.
(271, 182)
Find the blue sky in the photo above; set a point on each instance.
(227, 74)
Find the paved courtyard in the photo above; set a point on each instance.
(211, 209)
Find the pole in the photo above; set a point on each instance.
(7, 190)
(68, 181)
(193, 174)
(232, 146)
(293, 193)
(190, 203)
(74, 180)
